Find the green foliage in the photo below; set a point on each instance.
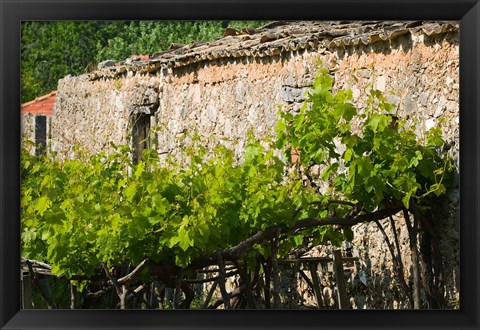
(148, 37)
(102, 208)
(370, 157)
(78, 213)
(52, 50)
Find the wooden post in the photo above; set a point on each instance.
(210, 294)
(274, 274)
(27, 292)
(343, 301)
(412, 233)
(178, 292)
(123, 297)
(222, 279)
(72, 295)
(145, 297)
(316, 284)
(48, 293)
(266, 289)
(248, 284)
(156, 300)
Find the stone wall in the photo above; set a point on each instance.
(94, 113)
(225, 97)
(420, 75)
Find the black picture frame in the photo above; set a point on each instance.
(12, 12)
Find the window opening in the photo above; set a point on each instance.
(40, 135)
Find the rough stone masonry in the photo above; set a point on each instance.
(236, 83)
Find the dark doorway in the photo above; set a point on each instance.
(140, 135)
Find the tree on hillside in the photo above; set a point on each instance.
(51, 50)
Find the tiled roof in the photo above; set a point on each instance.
(42, 105)
(277, 38)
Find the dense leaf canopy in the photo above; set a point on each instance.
(102, 208)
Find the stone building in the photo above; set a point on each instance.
(225, 87)
(36, 121)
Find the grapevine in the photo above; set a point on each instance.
(103, 218)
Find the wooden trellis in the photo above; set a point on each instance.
(240, 297)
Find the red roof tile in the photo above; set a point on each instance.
(42, 105)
